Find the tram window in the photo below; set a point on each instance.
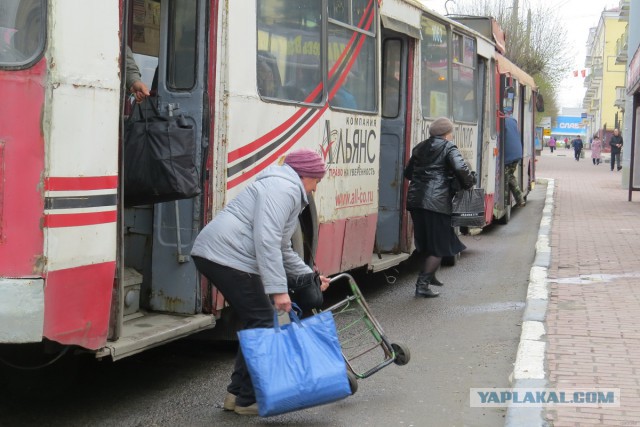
(339, 10)
(391, 77)
(22, 31)
(289, 34)
(181, 55)
(434, 69)
(464, 78)
(351, 34)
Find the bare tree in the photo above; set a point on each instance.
(536, 40)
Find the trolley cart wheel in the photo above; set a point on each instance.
(403, 355)
(353, 382)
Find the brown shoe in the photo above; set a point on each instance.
(247, 410)
(229, 402)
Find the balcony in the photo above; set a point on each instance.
(588, 61)
(596, 72)
(625, 6)
(620, 97)
(622, 49)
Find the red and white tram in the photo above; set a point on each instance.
(357, 80)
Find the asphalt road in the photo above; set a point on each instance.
(466, 338)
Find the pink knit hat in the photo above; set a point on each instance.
(306, 163)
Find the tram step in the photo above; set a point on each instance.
(386, 261)
(153, 329)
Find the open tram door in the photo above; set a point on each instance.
(396, 82)
(159, 296)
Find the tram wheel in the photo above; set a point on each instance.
(506, 217)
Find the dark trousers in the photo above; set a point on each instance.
(552, 147)
(615, 157)
(245, 294)
(577, 154)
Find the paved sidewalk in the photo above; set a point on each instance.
(592, 321)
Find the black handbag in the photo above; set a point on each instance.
(305, 291)
(159, 158)
(468, 208)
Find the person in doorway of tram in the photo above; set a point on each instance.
(596, 150)
(134, 82)
(246, 253)
(616, 147)
(436, 168)
(552, 144)
(512, 157)
(577, 145)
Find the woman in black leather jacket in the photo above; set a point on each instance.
(436, 171)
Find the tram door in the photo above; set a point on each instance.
(392, 141)
(158, 237)
(181, 80)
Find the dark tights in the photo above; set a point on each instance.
(431, 264)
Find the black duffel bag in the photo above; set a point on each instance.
(159, 158)
(305, 291)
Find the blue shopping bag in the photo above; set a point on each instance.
(295, 366)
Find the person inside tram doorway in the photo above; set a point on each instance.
(246, 253)
(512, 157)
(134, 83)
(435, 167)
(577, 145)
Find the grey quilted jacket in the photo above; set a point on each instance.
(253, 232)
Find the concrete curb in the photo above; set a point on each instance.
(529, 369)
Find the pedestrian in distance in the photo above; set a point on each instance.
(616, 148)
(566, 143)
(512, 158)
(552, 144)
(436, 170)
(596, 150)
(246, 253)
(577, 145)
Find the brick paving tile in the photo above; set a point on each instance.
(592, 332)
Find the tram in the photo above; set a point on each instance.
(359, 81)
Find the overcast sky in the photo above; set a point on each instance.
(580, 15)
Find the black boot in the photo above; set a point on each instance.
(433, 280)
(422, 287)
